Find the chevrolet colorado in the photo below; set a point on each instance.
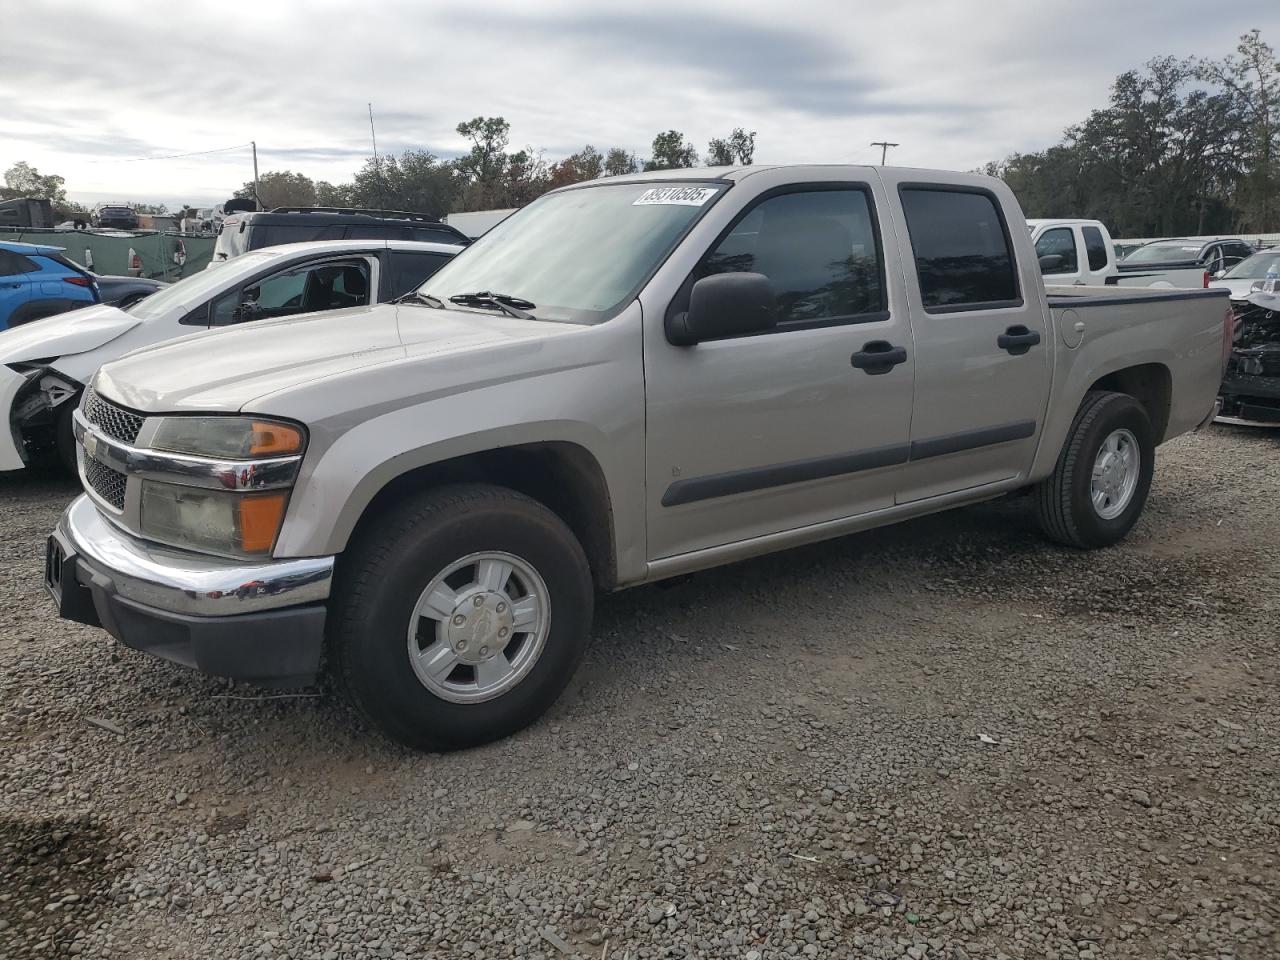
(626, 380)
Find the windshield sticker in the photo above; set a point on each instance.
(679, 196)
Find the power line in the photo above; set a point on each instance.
(174, 156)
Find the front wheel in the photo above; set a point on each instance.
(1099, 486)
(460, 615)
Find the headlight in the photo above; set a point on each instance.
(231, 438)
(228, 491)
(243, 524)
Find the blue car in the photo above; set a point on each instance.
(38, 281)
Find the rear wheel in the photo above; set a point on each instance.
(460, 616)
(1099, 486)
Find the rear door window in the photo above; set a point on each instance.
(12, 264)
(1059, 242)
(963, 255)
(1096, 248)
(409, 270)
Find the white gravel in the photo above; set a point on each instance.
(941, 740)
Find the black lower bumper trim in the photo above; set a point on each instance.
(271, 647)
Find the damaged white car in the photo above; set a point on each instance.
(46, 363)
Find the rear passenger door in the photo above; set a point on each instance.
(407, 269)
(981, 345)
(15, 284)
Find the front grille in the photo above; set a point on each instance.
(106, 483)
(116, 422)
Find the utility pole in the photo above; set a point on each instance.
(256, 199)
(884, 146)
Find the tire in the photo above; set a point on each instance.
(381, 582)
(64, 439)
(1065, 501)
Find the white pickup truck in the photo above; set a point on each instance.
(626, 380)
(1081, 252)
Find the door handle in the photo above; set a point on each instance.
(878, 356)
(1017, 340)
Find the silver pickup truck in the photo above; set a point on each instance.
(626, 380)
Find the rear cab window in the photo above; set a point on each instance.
(963, 254)
(1095, 247)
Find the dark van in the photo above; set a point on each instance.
(242, 232)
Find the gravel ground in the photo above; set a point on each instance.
(941, 740)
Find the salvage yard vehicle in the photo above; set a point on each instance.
(1251, 387)
(1087, 256)
(37, 281)
(1182, 263)
(252, 230)
(1241, 279)
(47, 364)
(628, 379)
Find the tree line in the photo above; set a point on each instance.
(1185, 146)
(490, 175)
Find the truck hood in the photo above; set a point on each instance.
(226, 370)
(64, 334)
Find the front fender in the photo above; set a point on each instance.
(339, 481)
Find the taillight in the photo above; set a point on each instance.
(78, 281)
(1206, 279)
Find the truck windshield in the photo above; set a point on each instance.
(579, 256)
(1256, 267)
(1169, 250)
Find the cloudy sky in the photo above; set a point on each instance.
(956, 82)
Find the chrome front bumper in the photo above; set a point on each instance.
(178, 581)
(263, 622)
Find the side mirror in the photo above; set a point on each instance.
(724, 305)
(248, 308)
(1220, 274)
(1051, 262)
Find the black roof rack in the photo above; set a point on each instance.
(349, 211)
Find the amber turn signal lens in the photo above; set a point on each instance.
(274, 439)
(260, 517)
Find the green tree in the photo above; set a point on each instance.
(586, 164)
(671, 151)
(417, 181)
(1251, 77)
(484, 166)
(334, 194)
(619, 161)
(1182, 147)
(736, 149)
(23, 180)
(282, 188)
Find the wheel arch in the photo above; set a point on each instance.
(563, 476)
(1151, 384)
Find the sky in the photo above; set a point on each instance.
(955, 82)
